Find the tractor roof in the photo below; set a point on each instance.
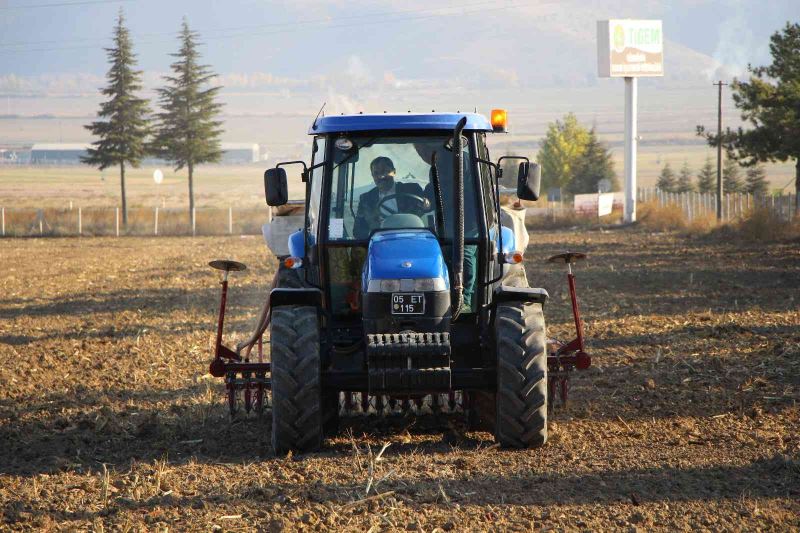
(402, 121)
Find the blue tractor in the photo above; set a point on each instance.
(403, 289)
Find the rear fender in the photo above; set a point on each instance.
(505, 293)
(285, 296)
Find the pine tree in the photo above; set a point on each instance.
(666, 180)
(756, 181)
(684, 183)
(593, 165)
(124, 125)
(731, 176)
(707, 178)
(768, 102)
(188, 132)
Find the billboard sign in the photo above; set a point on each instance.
(629, 48)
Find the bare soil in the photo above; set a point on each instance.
(688, 419)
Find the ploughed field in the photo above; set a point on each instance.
(689, 417)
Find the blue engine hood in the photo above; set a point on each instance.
(389, 250)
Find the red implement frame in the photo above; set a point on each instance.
(242, 377)
(565, 357)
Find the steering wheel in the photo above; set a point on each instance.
(388, 211)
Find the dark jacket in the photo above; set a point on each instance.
(368, 218)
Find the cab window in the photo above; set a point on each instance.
(315, 194)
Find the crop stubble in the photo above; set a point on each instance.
(688, 419)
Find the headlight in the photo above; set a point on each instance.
(390, 285)
(430, 284)
(407, 285)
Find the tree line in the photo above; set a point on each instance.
(754, 181)
(185, 132)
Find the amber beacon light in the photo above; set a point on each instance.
(499, 120)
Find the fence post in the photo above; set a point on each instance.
(41, 227)
(4, 221)
(194, 221)
(80, 221)
(727, 207)
(116, 220)
(230, 220)
(155, 225)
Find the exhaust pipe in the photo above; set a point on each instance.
(458, 221)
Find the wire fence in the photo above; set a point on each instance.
(107, 221)
(734, 205)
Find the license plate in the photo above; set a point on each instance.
(408, 303)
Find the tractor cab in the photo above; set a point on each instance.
(381, 196)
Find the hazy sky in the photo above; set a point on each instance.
(302, 39)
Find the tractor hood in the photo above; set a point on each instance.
(404, 254)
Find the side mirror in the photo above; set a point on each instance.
(529, 180)
(275, 187)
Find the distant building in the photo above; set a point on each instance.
(58, 153)
(70, 154)
(239, 153)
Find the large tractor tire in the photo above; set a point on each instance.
(521, 347)
(296, 383)
(290, 278)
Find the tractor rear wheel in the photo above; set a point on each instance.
(296, 384)
(521, 347)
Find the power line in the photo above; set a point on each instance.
(63, 4)
(258, 26)
(284, 27)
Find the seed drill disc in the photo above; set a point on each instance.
(227, 265)
(567, 257)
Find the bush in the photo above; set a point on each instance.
(655, 217)
(766, 225)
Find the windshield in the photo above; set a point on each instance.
(385, 182)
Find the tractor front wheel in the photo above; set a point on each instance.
(296, 384)
(521, 403)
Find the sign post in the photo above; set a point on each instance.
(630, 49)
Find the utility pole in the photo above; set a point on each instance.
(719, 84)
(631, 103)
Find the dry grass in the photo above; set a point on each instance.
(655, 217)
(757, 225)
(765, 225)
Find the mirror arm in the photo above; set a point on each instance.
(500, 170)
(303, 175)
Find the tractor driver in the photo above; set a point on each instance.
(401, 199)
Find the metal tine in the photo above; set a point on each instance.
(406, 405)
(348, 402)
(379, 404)
(436, 404)
(248, 399)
